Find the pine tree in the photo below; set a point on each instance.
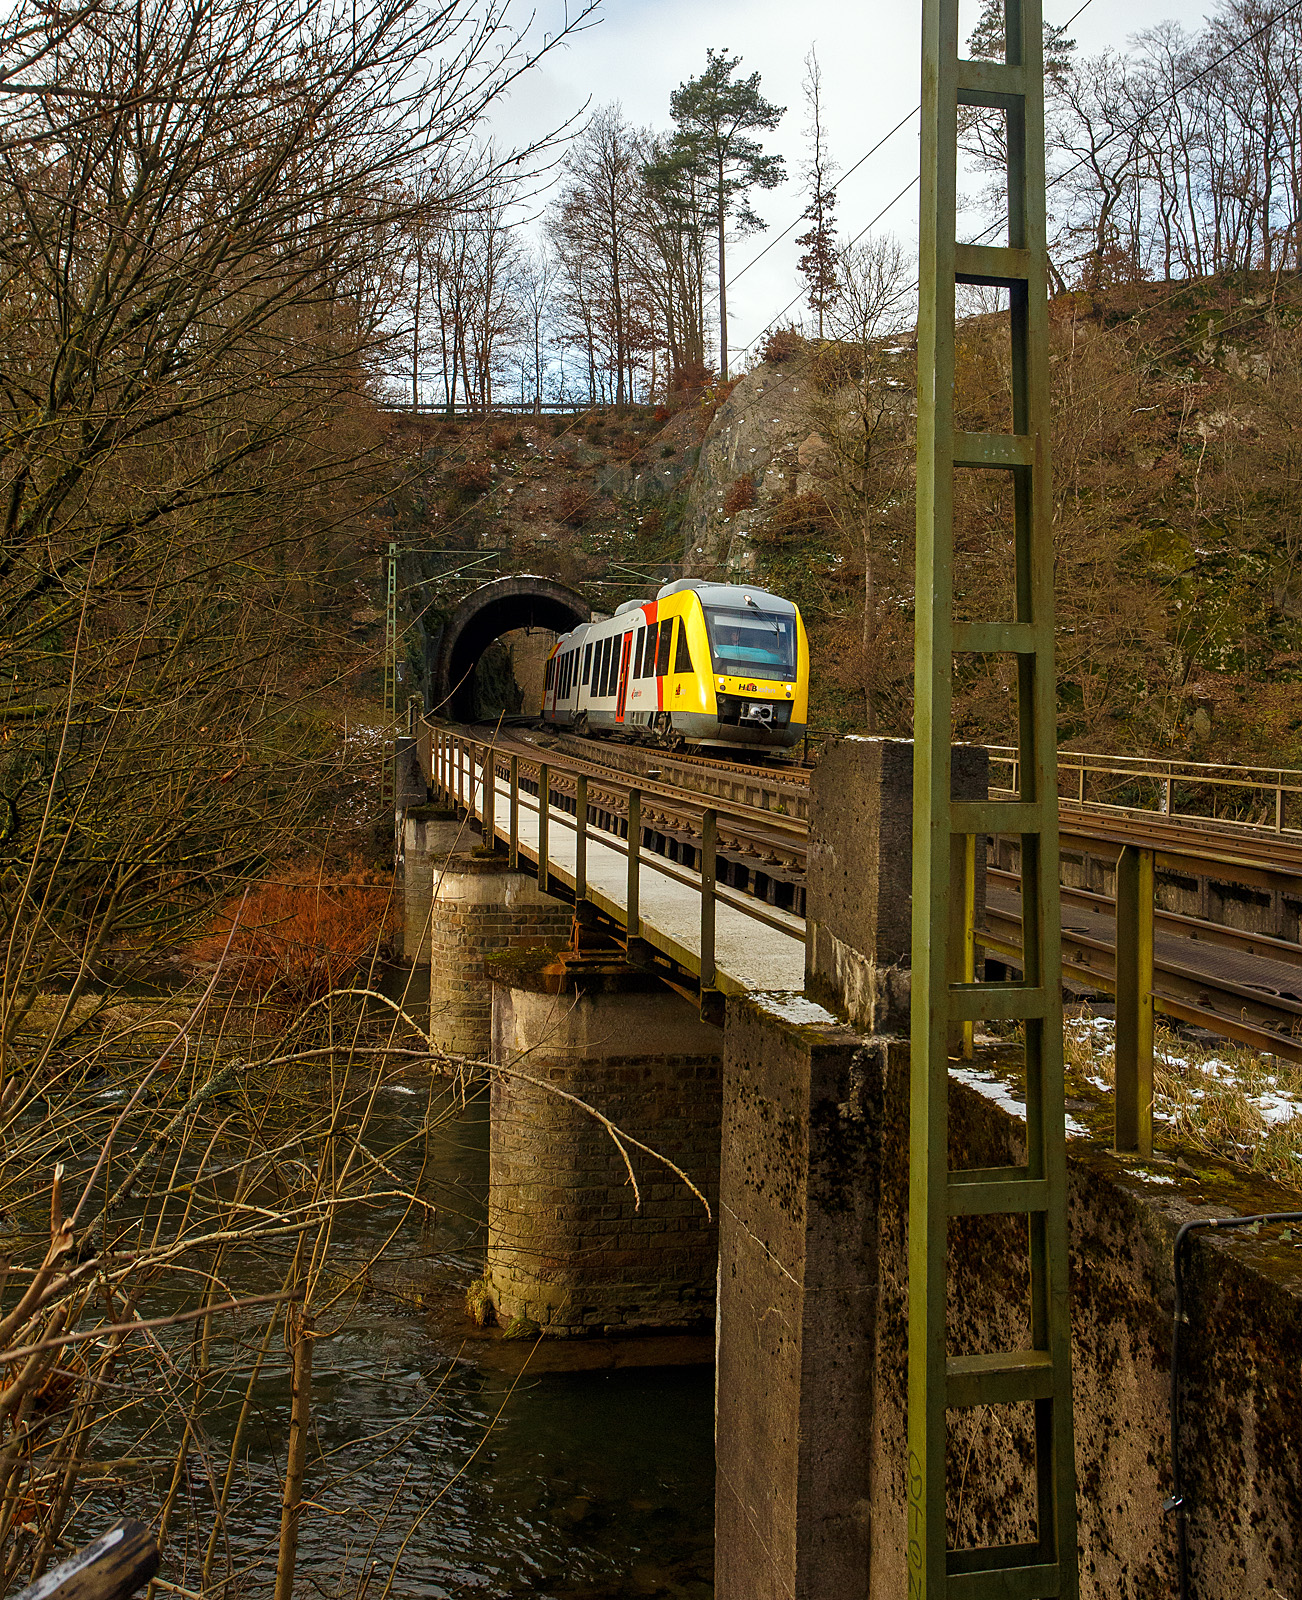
(819, 263)
(714, 115)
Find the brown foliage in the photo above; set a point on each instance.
(740, 497)
(798, 518)
(782, 344)
(472, 477)
(301, 933)
(573, 506)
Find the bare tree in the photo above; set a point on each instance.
(860, 418)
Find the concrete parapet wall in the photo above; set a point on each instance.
(427, 834)
(479, 908)
(569, 1247)
(859, 868)
(813, 1336)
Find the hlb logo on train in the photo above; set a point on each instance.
(749, 688)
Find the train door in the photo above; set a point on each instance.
(626, 650)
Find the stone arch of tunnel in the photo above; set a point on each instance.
(491, 611)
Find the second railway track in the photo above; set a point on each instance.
(1240, 983)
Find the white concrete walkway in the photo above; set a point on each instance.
(749, 954)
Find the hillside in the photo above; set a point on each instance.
(1178, 506)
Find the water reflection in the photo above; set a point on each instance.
(432, 1473)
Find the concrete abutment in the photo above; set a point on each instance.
(812, 1345)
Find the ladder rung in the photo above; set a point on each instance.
(1032, 1580)
(1000, 816)
(994, 1002)
(995, 81)
(993, 638)
(998, 266)
(984, 1191)
(1000, 1379)
(994, 450)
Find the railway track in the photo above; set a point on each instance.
(1236, 983)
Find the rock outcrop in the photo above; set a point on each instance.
(761, 434)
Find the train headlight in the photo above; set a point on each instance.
(723, 683)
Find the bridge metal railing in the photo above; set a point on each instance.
(1144, 982)
(493, 785)
(1191, 791)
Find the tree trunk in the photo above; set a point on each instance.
(723, 288)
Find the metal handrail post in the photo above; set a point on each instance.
(1133, 1132)
(709, 882)
(489, 824)
(544, 818)
(513, 835)
(633, 913)
(581, 838)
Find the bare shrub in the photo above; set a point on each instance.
(740, 496)
(795, 520)
(783, 344)
(573, 506)
(302, 932)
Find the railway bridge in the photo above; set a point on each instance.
(788, 1062)
(692, 979)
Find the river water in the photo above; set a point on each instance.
(438, 1468)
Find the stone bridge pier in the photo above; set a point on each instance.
(590, 1227)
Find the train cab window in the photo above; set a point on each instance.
(682, 656)
(587, 661)
(662, 652)
(752, 641)
(551, 673)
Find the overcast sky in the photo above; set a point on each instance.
(642, 49)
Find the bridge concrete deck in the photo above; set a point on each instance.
(757, 947)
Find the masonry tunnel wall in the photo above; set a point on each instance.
(490, 612)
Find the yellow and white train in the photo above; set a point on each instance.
(702, 663)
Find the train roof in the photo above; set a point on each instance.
(729, 594)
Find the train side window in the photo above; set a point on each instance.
(565, 676)
(605, 666)
(638, 642)
(587, 661)
(682, 656)
(662, 653)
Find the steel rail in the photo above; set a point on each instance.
(1001, 933)
(1195, 928)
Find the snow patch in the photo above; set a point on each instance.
(791, 1006)
(1002, 1095)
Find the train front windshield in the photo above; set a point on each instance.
(750, 641)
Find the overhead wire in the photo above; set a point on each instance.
(1058, 30)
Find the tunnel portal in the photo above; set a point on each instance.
(522, 601)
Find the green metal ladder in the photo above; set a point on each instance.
(1040, 1375)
